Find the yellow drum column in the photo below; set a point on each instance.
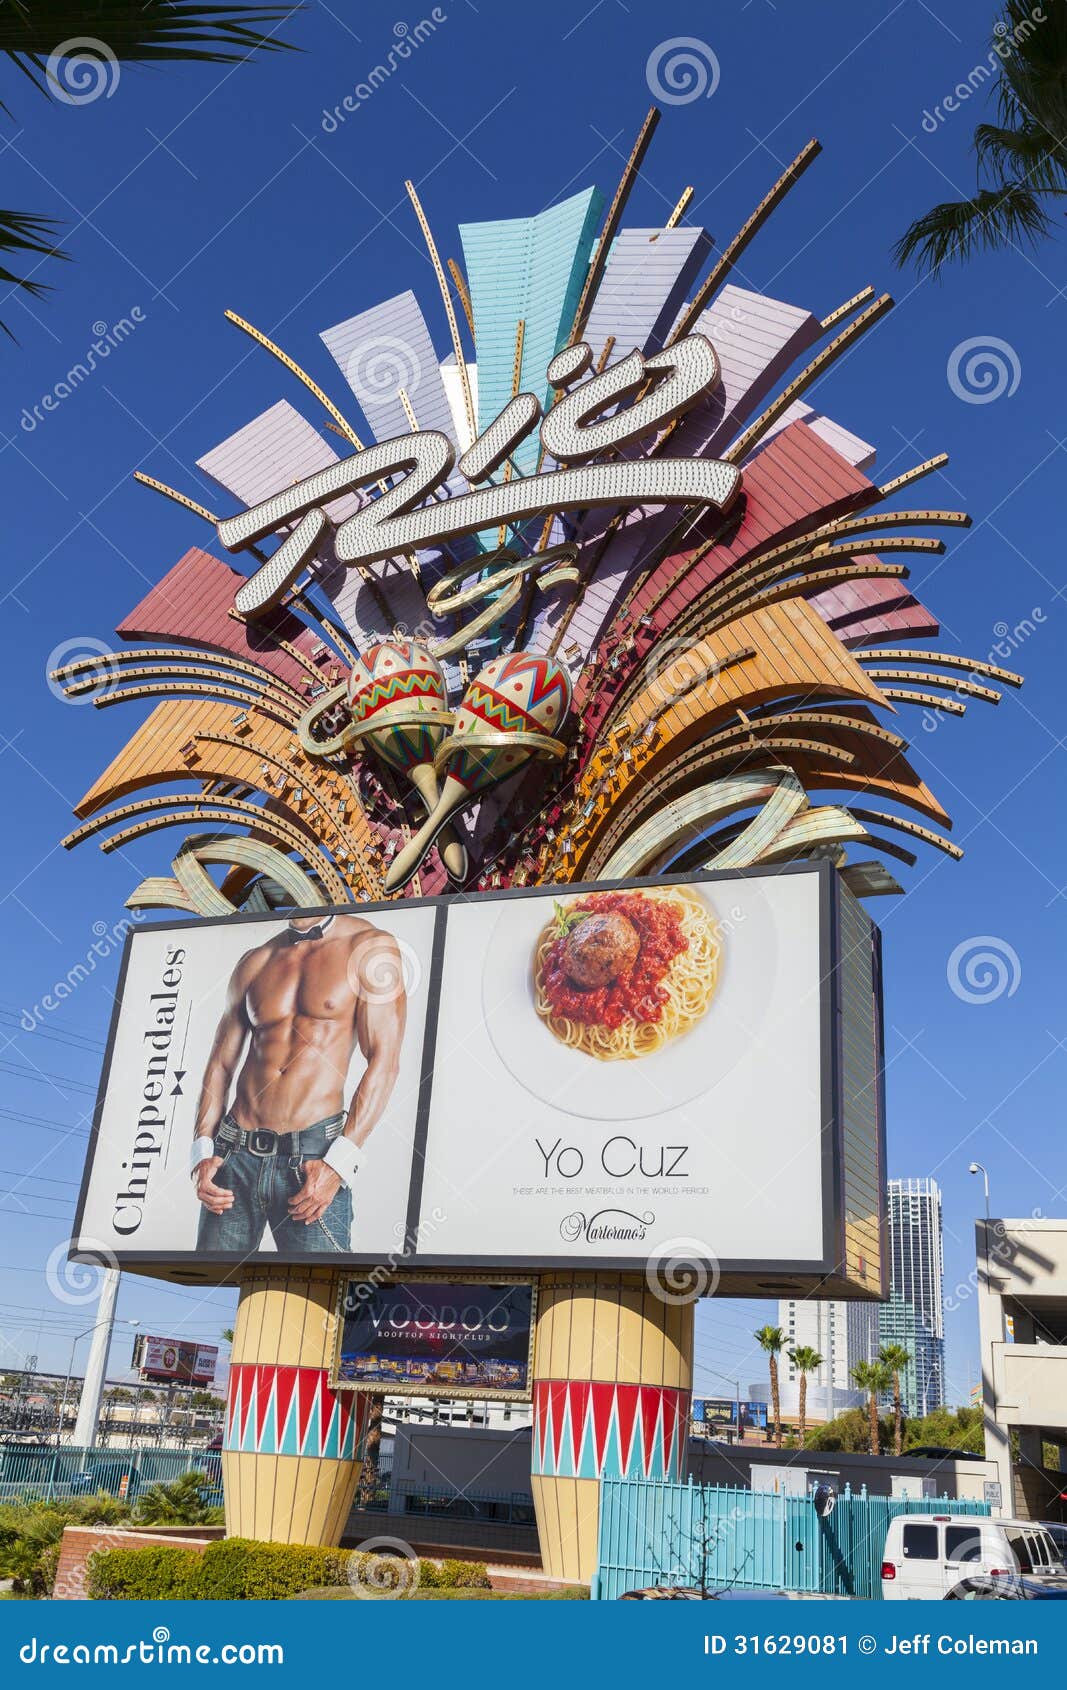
(292, 1447)
(612, 1377)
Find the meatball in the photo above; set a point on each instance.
(600, 948)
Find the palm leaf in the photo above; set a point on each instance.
(155, 31)
(1025, 154)
(21, 232)
(1033, 65)
(1009, 215)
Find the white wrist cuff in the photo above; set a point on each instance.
(199, 1151)
(344, 1158)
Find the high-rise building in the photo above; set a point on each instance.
(843, 1333)
(913, 1315)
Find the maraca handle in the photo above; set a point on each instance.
(408, 861)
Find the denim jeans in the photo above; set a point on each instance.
(262, 1187)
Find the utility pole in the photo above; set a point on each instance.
(96, 1366)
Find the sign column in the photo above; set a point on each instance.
(613, 1363)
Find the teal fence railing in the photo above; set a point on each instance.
(31, 1471)
(713, 1537)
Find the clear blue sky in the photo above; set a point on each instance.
(193, 189)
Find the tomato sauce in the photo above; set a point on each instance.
(637, 996)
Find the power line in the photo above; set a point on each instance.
(30, 1073)
(78, 1040)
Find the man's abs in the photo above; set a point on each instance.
(293, 1074)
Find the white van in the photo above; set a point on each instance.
(927, 1556)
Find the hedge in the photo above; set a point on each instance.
(238, 1569)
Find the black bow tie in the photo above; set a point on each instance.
(316, 932)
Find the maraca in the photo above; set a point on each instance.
(510, 712)
(398, 703)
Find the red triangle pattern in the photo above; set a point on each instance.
(650, 1414)
(264, 1380)
(579, 1395)
(626, 1410)
(603, 1400)
(557, 1393)
(283, 1397)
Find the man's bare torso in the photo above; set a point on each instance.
(301, 1000)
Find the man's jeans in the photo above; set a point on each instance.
(262, 1187)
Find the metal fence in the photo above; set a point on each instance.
(31, 1472)
(501, 1508)
(717, 1536)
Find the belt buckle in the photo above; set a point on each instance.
(261, 1142)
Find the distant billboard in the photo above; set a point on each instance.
(715, 1414)
(175, 1360)
(437, 1338)
(562, 1077)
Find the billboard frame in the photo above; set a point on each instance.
(740, 1276)
(439, 1393)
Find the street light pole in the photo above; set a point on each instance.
(736, 1383)
(977, 1168)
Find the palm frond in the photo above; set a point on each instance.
(23, 232)
(1008, 215)
(1032, 54)
(1025, 154)
(152, 32)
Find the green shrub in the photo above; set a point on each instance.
(42, 1576)
(29, 1530)
(142, 1575)
(463, 1575)
(179, 1503)
(240, 1570)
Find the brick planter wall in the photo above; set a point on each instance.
(79, 1542)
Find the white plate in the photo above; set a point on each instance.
(632, 1090)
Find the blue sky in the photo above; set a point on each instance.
(200, 188)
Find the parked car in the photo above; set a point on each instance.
(1058, 1534)
(943, 1452)
(1010, 1590)
(928, 1556)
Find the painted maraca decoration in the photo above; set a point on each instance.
(511, 711)
(398, 703)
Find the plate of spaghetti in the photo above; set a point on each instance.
(618, 975)
(606, 1004)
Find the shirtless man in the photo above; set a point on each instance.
(284, 1154)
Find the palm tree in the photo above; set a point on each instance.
(129, 32)
(896, 1358)
(368, 1478)
(806, 1359)
(179, 1503)
(771, 1339)
(875, 1378)
(1021, 161)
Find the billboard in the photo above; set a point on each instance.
(437, 1338)
(175, 1360)
(715, 1414)
(608, 1076)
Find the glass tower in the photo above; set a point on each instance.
(913, 1315)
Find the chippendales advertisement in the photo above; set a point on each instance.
(601, 1075)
